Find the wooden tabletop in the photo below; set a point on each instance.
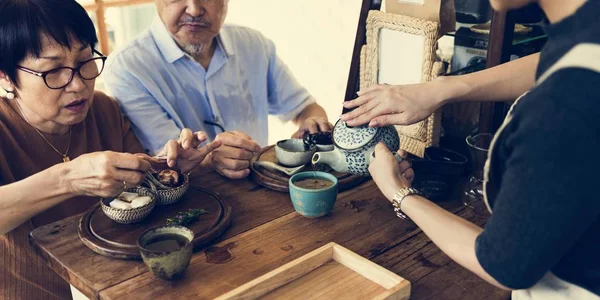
(266, 233)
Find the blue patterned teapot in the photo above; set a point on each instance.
(354, 147)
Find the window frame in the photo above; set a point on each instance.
(99, 8)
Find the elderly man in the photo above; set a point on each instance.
(190, 71)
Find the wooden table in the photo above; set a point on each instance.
(266, 233)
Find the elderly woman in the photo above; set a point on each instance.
(543, 238)
(62, 146)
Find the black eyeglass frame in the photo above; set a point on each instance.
(74, 71)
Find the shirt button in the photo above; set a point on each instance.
(217, 119)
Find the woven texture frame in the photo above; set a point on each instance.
(417, 137)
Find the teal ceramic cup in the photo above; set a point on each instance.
(311, 202)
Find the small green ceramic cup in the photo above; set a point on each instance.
(313, 202)
(166, 250)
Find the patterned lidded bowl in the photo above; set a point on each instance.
(172, 195)
(131, 215)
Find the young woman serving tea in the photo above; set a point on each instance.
(62, 146)
(543, 238)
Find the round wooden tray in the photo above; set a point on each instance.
(109, 238)
(279, 181)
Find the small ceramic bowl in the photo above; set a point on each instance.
(313, 203)
(291, 152)
(172, 195)
(131, 215)
(170, 262)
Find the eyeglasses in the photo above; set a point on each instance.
(59, 78)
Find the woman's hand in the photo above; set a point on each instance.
(389, 175)
(186, 154)
(104, 174)
(382, 105)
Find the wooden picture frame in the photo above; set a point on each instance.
(379, 56)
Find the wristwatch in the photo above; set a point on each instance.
(399, 197)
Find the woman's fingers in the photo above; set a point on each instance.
(404, 166)
(372, 88)
(132, 178)
(409, 175)
(361, 110)
(127, 161)
(383, 152)
(172, 152)
(390, 119)
(378, 110)
(361, 100)
(403, 154)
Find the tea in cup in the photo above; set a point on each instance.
(166, 250)
(313, 193)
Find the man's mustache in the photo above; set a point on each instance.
(199, 21)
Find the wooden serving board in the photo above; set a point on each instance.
(278, 181)
(109, 238)
(330, 272)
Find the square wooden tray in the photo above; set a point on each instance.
(330, 272)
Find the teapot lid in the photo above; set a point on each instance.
(350, 138)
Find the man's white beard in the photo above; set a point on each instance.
(194, 49)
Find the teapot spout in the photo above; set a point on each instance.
(334, 159)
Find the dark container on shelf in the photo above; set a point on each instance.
(530, 14)
(473, 11)
(440, 173)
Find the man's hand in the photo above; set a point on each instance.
(313, 125)
(186, 153)
(232, 158)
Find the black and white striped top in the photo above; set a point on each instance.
(543, 179)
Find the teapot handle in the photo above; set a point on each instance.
(396, 156)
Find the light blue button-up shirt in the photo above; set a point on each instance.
(163, 90)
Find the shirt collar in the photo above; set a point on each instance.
(165, 42)
(226, 42)
(169, 48)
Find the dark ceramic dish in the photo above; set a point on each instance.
(322, 140)
(439, 173)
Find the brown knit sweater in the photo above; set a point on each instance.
(23, 274)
